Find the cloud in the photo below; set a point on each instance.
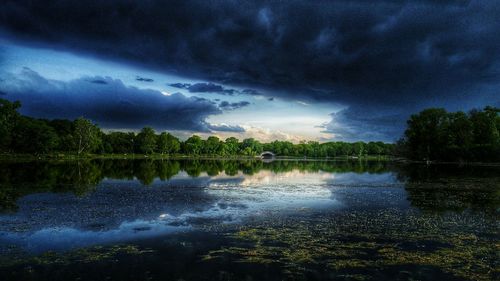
(180, 85)
(244, 131)
(143, 79)
(226, 128)
(205, 87)
(111, 104)
(251, 92)
(352, 50)
(354, 124)
(210, 88)
(267, 135)
(397, 55)
(97, 81)
(225, 105)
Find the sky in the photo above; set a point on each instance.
(288, 70)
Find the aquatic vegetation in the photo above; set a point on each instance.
(457, 194)
(356, 242)
(84, 255)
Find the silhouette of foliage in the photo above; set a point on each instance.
(435, 134)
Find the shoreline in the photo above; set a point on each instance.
(6, 157)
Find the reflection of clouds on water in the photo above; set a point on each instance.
(121, 210)
(370, 197)
(65, 238)
(270, 190)
(364, 179)
(368, 190)
(292, 177)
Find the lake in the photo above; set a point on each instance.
(248, 220)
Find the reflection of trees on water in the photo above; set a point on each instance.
(483, 195)
(451, 188)
(21, 178)
(428, 187)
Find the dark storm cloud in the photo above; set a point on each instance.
(214, 88)
(180, 85)
(251, 92)
(389, 48)
(225, 105)
(362, 54)
(143, 79)
(97, 81)
(210, 88)
(205, 87)
(111, 104)
(355, 124)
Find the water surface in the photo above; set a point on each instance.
(247, 220)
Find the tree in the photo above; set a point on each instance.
(358, 149)
(459, 136)
(486, 134)
(231, 146)
(374, 148)
(212, 145)
(86, 136)
(313, 149)
(34, 136)
(425, 133)
(250, 147)
(8, 119)
(344, 149)
(435, 134)
(119, 142)
(64, 130)
(146, 141)
(485, 126)
(168, 144)
(193, 145)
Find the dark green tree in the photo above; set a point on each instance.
(435, 134)
(64, 130)
(231, 146)
(459, 136)
(193, 145)
(375, 148)
(213, 146)
(34, 136)
(358, 149)
(146, 141)
(426, 134)
(119, 142)
(168, 144)
(8, 118)
(250, 147)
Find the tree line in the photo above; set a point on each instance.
(431, 135)
(437, 135)
(23, 134)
